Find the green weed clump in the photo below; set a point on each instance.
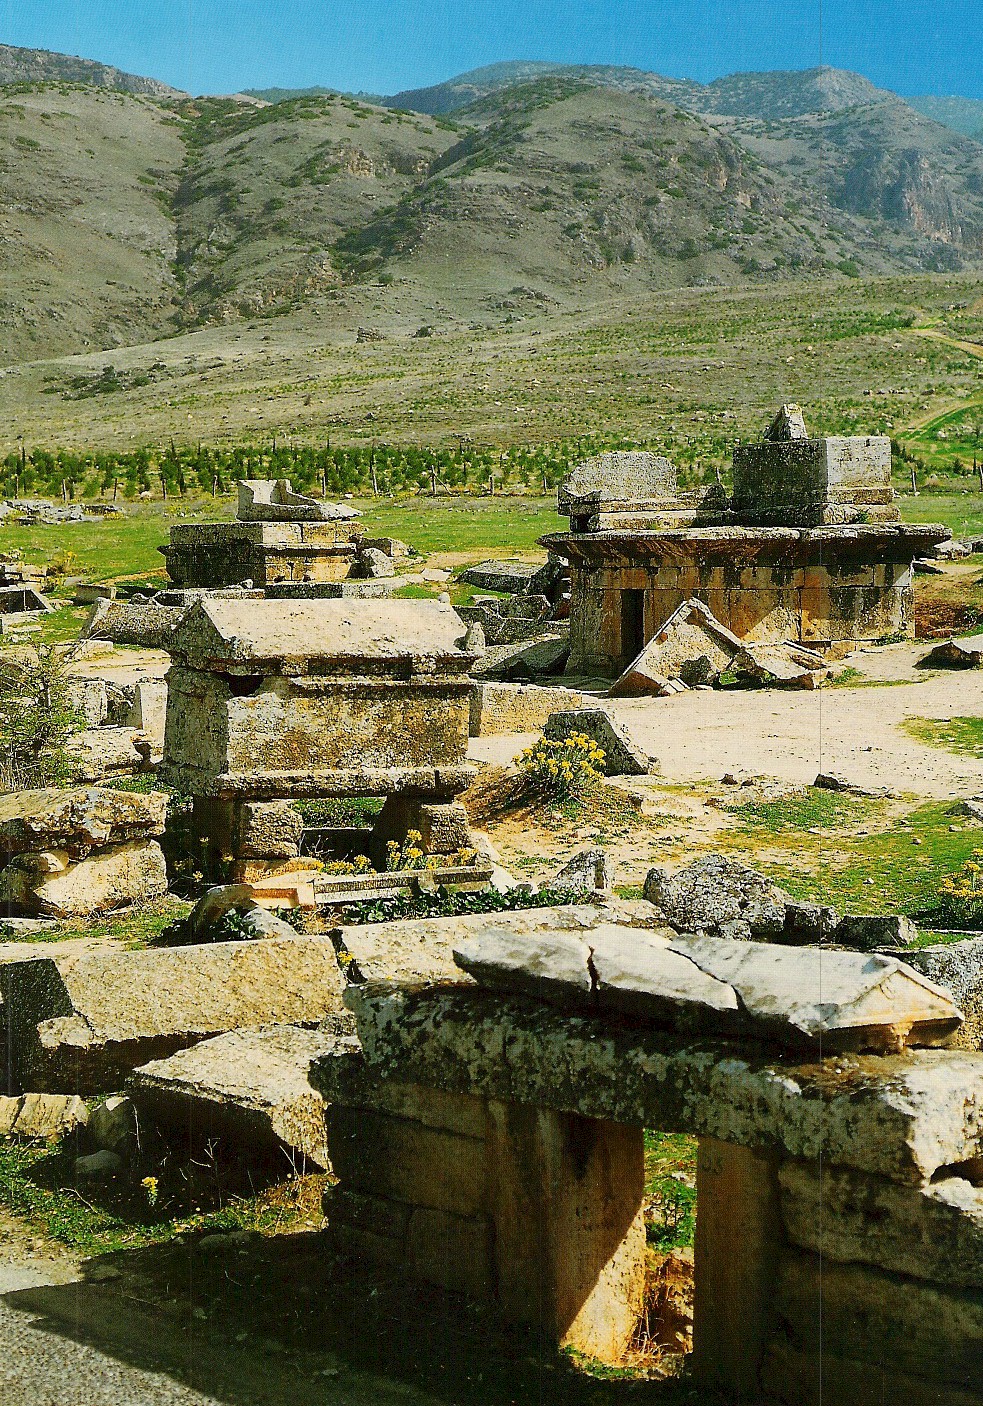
(563, 769)
(960, 902)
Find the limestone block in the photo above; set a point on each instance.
(405, 1161)
(89, 698)
(551, 966)
(845, 1000)
(622, 756)
(99, 752)
(779, 665)
(958, 968)
(508, 707)
(808, 1379)
(148, 711)
(267, 830)
(640, 974)
(53, 884)
(443, 828)
(46, 1117)
(455, 1252)
(900, 1117)
(83, 1022)
(250, 1086)
(145, 624)
(907, 1326)
(738, 1244)
(413, 950)
(930, 1232)
(566, 1196)
(78, 818)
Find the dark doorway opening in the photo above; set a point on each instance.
(632, 625)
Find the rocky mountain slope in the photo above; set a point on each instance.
(127, 215)
(41, 66)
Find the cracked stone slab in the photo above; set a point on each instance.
(793, 995)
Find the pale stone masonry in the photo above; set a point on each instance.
(810, 548)
(279, 536)
(839, 1251)
(278, 700)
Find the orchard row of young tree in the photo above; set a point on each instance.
(384, 469)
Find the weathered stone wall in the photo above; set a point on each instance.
(309, 726)
(766, 602)
(536, 1213)
(839, 1251)
(510, 707)
(227, 553)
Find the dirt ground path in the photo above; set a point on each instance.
(792, 735)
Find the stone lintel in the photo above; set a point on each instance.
(888, 541)
(900, 1117)
(424, 783)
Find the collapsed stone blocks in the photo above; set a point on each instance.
(81, 1023)
(270, 700)
(70, 853)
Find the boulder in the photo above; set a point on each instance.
(54, 884)
(831, 781)
(78, 819)
(373, 564)
(622, 757)
(113, 1125)
(780, 665)
(98, 1166)
(249, 1086)
(719, 895)
(865, 932)
(81, 1023)
(964, 653)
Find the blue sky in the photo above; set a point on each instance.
(912, 46)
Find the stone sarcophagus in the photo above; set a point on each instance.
(279, 536)
(278, 700)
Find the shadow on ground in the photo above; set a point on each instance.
(251, 1320)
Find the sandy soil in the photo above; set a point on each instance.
(792, 735)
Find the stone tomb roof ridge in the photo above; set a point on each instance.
(274, 500)
(216, 634)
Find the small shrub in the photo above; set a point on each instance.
(37, 718)
(563, 769)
